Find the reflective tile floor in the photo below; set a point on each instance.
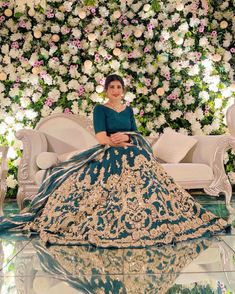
(199, 266)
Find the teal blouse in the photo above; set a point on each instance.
(111, 121)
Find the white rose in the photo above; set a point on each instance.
(216, 57)
(165, 104)
(184, 27)
(55, 29)
(161, 120)
(203, 42)
(115, 65)
(72, 96)
(223, 24)
(87, 64)
(92, 37)
(30, 114)
(76, 33)
(188, 99)
(138, 33)
(116, 14)
(213, 87)
(5, 48)
(175, 114)
(227, 56)
(3, 128)
(63, 87)
(11, 181)
(231, 176)
(2, 87)
(3, 76)
(146, 7)
(179, 40)
(82, 14)
(99, 89)
(160, 91)
(37, 34)
(194, 70)
(58, 109)
(196, 128)
(180, 7)
(95, 97)
(129, 97)
(74, 107)
(199, 114)
(117, 51)
(204, 96)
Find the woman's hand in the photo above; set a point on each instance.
(119, 138)
(115, 140)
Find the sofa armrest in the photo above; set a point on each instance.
(228, 142)
(205, 149)
(221, 183)
(34, 142)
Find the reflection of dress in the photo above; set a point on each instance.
(120, 271)
(121, 197)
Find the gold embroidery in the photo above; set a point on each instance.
(137, 205)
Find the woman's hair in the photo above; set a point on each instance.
(112, 78)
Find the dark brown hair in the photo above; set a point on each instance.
(112, 78)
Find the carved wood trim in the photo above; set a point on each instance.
(221, 183)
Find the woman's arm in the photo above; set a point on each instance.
(119, 140)
(103, 139)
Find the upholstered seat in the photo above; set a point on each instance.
(190, 172)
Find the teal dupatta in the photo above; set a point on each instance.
(55, 176)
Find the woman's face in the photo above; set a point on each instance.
(115, 91)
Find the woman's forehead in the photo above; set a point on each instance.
(115, 83)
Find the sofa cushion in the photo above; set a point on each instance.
(68, 155)
(183, 172)
(172, 147)
(45, 160)
(39, 176)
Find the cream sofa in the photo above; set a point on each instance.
(60, 134)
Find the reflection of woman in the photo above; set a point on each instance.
(115, 194)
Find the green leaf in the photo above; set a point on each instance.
(18, 14)
(156, 5)
(89, 2)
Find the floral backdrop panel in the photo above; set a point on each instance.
(176, 56)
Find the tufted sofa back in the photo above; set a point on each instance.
(65, 132)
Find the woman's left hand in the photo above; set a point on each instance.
(118, 138)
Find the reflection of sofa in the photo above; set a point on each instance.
(60, 134)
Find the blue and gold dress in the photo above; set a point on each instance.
(114, 197)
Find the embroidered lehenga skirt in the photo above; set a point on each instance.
(120, 197)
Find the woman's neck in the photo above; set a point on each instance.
(115, 103)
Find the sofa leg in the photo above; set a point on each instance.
(223, 187)
(20, 197)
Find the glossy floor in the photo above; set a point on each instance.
(200, 266)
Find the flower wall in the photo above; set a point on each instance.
(177, 59)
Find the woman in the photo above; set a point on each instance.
(115, 194)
